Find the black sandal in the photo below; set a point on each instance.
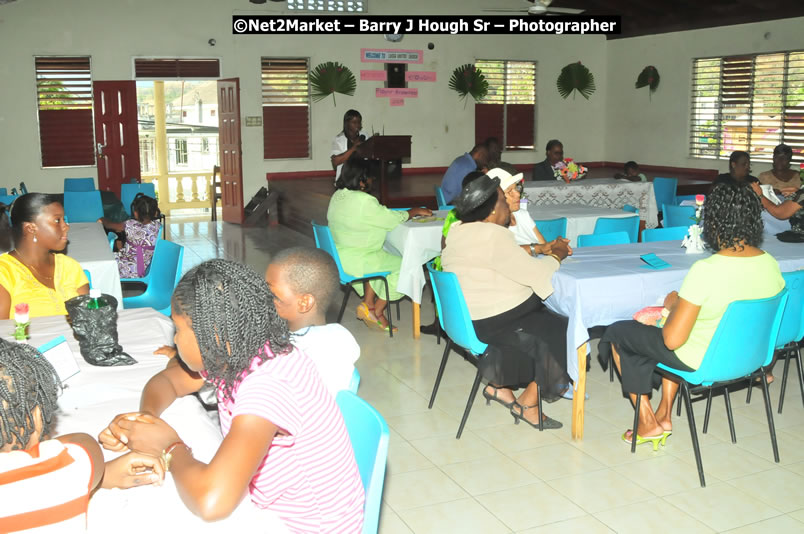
(495, 398)
(548, 423)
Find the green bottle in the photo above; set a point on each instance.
(96, 300)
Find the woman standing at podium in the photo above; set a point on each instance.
(347, 140)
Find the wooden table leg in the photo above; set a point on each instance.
(579, 395)
(417, 308)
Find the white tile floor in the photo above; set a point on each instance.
(504, 478)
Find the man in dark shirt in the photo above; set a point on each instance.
(554, 153)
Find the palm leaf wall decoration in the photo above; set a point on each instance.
(575, 77)
(330, 78)
(469, 80)
(648, 77)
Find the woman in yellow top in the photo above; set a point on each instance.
(35, 271)
(737, 270)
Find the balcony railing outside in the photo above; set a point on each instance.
(181, 190)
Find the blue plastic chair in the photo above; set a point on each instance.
(665, 190)
(354, 383)
(629, 225)
(440, 200)
(129, 191)
(324, 241)
(672, 233)
(79, 184)
(678, 215)
(3, 191)
(631, 209)
(8, 199)
(599, 240)
(453, 316)
(736, 353)
(791, 331)
(552, 228)
(162, 277)
(82, 206)
(89, 278)
(112, 237)
(369, 435)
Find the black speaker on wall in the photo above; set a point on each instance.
(396, 74)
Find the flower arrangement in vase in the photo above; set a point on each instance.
(21, 322)
(693, 242)
(568, 170)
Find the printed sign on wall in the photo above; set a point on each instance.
(384, 55)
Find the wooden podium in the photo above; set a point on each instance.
(385, 148)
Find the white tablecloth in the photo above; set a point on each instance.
(95, 395)
(417, 243)
(773, 225)
(601, 285)
(598, 192)
(580, 219)
(90, 247)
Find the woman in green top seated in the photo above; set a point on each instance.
(359, 224)
(738, 270)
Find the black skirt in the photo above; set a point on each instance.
(526, 344)
(640, 347)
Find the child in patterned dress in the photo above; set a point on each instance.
(135, 253)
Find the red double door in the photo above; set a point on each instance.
(117, 141)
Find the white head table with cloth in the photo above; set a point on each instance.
(89, 246)
(598, 192)
(96, 394)
(601, 285)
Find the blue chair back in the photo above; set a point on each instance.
(369, 435)
(129, 191)
(552, 228)
(163, 276)
(7, 199)
(82, 206)
(3, 191)
(324, 241)
(599, 240)
(440, 200)
(354, 383)
(79, 184)
(452, 311)
(112, 237)
(736, 351)
(673, 233)
(629, 225)
(678, 215)
(630, 208)
(89, 278)
(792, 327)
(665, 190)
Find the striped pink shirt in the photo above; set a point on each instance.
(309, 477)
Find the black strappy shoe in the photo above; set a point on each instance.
(495, 398)
(548, 423)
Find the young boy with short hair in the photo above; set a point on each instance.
(304, 281)
(45, 483)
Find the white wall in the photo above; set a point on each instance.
(441, 126)
(657, 130)
(617, 123)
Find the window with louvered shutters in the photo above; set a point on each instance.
(508, 111)
(749, 103)
(285, 108)
(167, 68)
(64, 95)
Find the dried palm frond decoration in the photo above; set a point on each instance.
(330, 78)
(469, 80)
(648, 77)
(575, 77)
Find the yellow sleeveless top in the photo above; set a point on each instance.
(21, 284)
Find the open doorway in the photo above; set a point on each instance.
(178, 141)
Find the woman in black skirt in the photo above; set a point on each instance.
(738, 270)
(504, 287)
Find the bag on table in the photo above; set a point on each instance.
(96, 331)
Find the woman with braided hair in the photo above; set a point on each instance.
(52, 478)
(284, 440)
